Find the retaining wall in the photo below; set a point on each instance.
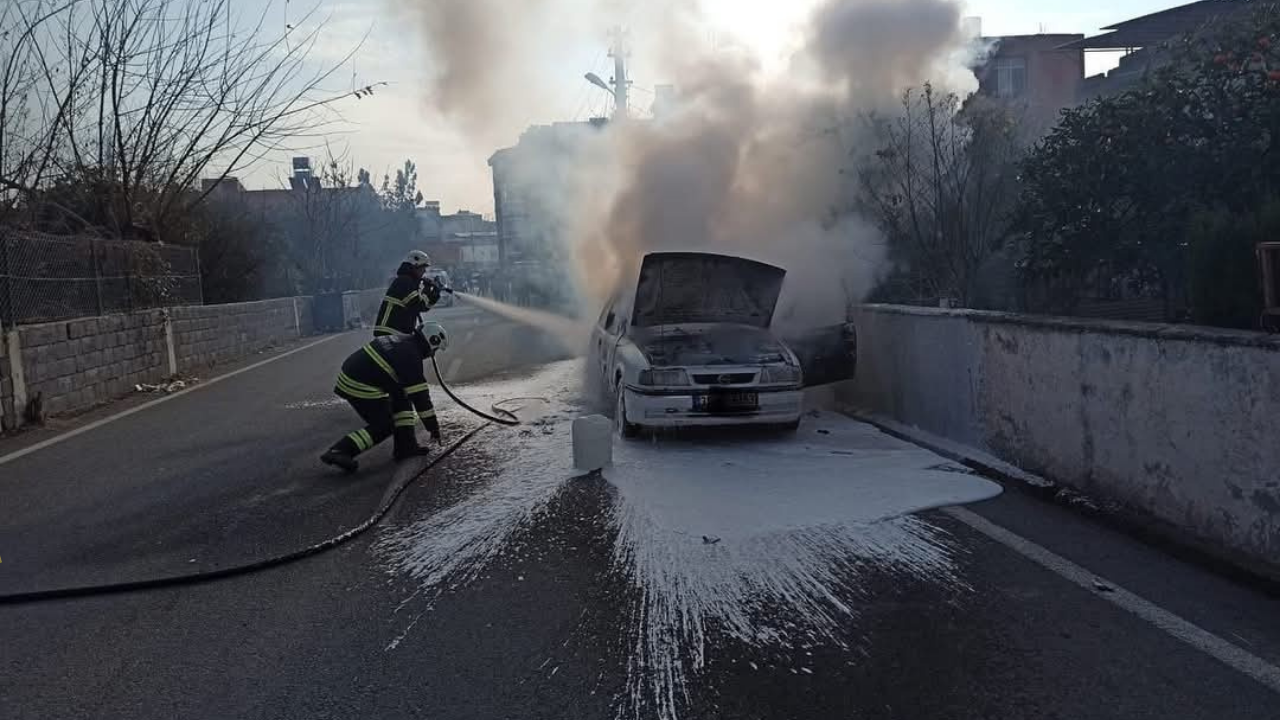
(77, 364)
(74, 365)
(8, 413)
(362, 306)
(1177, 424)
(208, 335)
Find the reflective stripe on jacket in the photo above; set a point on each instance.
(398, 313)
(389, 366)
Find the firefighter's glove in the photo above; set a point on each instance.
(431, 291)
(432, 426)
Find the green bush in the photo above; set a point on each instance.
(1222, 265)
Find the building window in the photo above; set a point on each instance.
(1011, 77)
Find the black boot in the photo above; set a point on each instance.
(412, 451)
(343, 455)
(407, 445)
(337, 458)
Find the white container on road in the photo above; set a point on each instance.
(592, 442)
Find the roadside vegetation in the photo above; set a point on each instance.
(1160, 192)
(119, 119)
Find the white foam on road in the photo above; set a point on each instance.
(451, 547)
(833, 471)
(763, 539)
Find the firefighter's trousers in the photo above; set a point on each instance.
(383, 418)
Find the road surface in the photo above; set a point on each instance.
(766, 577)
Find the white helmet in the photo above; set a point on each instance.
(434, 335)
(418, 259)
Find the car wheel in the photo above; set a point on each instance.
(625, 429)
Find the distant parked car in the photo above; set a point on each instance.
(690, 345)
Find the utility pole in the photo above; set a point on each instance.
(620, 52)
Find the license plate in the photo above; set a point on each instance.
(726, 402)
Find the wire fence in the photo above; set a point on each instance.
(51, 277)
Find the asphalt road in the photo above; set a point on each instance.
(500, 588)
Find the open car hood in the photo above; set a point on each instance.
(689, 287)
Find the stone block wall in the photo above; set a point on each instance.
(73, 365)
(204, 336)
(77, 364)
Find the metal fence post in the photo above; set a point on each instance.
(97, 275)
(128, 277)
(7, 311)
(195, 254)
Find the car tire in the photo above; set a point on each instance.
(625, 429)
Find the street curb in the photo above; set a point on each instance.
(1130, 521)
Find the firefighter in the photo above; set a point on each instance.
(384, 383)
(407, 298)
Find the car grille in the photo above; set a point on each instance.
(724, 378)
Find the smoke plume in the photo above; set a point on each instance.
(742, 162)
(496, 63)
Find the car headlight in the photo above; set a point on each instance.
(780, 374)
(664, 377)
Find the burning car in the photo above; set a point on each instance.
(690, 345)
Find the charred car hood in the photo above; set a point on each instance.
(685, 288)
(704, 345)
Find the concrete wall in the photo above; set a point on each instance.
(361, 307)
(77, 364)
(1180, 425)
(8, 413)
(209, 335)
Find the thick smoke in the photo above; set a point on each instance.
(743, 162)
(494, 62)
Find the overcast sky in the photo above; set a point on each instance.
(398, 122)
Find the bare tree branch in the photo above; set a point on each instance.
(166, 89)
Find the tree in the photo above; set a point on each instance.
(400, 200)
(111, 110)
(1115, 191)
(403, 194)
(333, 225)
(239, 256)
(1223, 283)
(938, 187)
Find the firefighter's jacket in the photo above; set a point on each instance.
(399, 311)
(390, 367)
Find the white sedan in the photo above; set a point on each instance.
(690, 345)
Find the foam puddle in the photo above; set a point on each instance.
(763, 540)
(450, 548)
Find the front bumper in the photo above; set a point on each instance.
(668, 409)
